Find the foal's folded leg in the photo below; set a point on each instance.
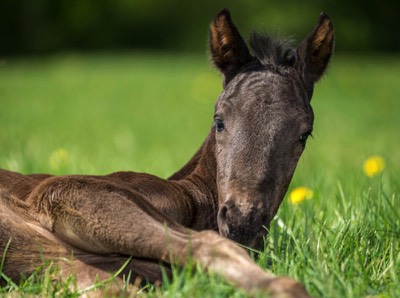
(100, 217)
(104, 219)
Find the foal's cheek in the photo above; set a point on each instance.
(298, 150)
(291, 167)
(222, 171)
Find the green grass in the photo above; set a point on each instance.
(150, 112)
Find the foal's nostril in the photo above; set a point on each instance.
(223, 221)
(222, 214)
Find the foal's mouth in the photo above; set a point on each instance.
(258, 241)
(250, 237)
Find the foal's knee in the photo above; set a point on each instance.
(211, 248)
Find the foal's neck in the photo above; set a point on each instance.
(198, 178)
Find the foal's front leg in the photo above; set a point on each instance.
(100, 217)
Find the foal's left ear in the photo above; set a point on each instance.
(228, 49)
(316, 50)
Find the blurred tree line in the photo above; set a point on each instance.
(45, 26)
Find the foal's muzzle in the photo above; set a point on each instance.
(244, 224)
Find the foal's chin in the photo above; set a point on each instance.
(258, 241)
(248, 239)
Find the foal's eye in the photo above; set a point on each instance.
(219, 124)
(304, 137)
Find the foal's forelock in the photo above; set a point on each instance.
(272, 51)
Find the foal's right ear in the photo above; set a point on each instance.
(316, 50)
(228, 49)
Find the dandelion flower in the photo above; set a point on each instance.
(299, 194)
(58, 159)
(373, 166)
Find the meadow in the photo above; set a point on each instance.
(99, 113)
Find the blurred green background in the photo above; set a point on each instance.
(93, 87)
(131, 80)
(45, 26)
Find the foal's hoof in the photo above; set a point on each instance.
(284, 287)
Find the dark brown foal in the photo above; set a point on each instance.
(227, 193)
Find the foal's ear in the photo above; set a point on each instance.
(228, 49)
(316, 50)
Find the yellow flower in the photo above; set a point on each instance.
(299, 194)
(373, 166)
(58, 159)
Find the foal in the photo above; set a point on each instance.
(239, 176)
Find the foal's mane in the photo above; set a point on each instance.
(270, 50)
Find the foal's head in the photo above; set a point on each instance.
(262, 121)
